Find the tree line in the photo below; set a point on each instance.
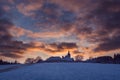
(6, 62)
(102, 59)
(105, 59)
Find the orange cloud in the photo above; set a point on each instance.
(18, 31)
(27, 9)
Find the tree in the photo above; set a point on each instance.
(117, 58)
(32, 60)
(78, 58)
(29, 60)
(38, 59)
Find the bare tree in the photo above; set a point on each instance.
(78, 58)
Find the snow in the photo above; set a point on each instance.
(7, 66)
(64, 71)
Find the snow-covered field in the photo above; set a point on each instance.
(64, 71)
(6, 66)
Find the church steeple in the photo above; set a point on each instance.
(69, 54)
(68, 57)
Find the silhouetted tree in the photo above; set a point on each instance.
(32, 60)
(102, 59)
(6, 62)
(78, 58)
(117, 58)
(38, 59)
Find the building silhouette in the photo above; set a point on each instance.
(66, 58)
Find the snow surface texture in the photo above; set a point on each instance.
(6, 66)
(64, 71)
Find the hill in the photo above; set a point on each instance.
(64, 71)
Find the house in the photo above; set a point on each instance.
(54, 59)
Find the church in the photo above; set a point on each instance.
(66, 58)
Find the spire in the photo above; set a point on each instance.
(69, 54)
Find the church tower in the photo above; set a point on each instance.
(69, 54)
(68, 58)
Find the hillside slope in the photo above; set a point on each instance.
(64, 71)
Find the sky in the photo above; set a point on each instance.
(31, 28)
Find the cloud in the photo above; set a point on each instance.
(6, 8)
(76, 5)
(93, 23)
(107, 19)
(17, 49)
(53, 48)
(2, 12)
(109, 44)
(5, 37)
(58, 47)
(11, 1)
(29, 7)
(64, 45)
(10, 55)
(59, 25)
(28, 10)
(5, 25)
(19, 31)
(8, 46)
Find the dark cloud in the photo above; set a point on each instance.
(67, 45)
(10, 55)
(83, 30)
(60, 47)
(108, 21)
(105, 17)
(64, 45)
(5, 25)
(109, 44)
(1, 12)
(13, 49)
(52, 14)
(8, 46)
(108, 13)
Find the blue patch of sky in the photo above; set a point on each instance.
(67, 17)
(25, 22)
